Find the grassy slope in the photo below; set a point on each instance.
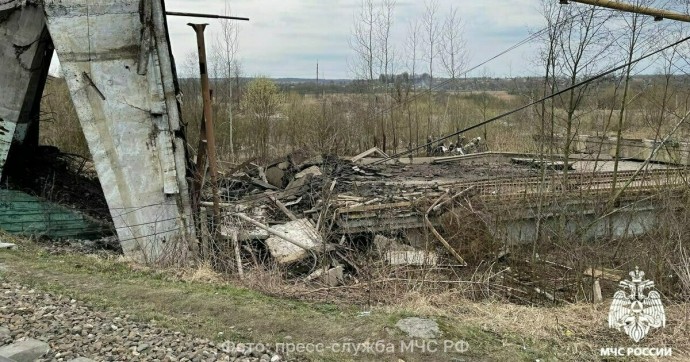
(493, 331)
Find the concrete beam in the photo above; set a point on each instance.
(119, 70)
(25, 53)
(10, 4)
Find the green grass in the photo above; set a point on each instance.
(234, 313)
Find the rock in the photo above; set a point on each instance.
(313, 170)
(9, 246)
(54, 318)
(314, 161)
(295, 186)
(300, 230)
(334, 276)
(249, 352)
(274, 176)
(276, 358)
(417, 238)
(4, 332)
(396, 253)
(384, 244)
(27, 350)
(419, 327)
(81, 359)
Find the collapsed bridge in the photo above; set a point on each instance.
(117, 63)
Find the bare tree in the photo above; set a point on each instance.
(548, 57)
(432, 30)
(386, 56)
(453, 48)
(632, 35)
(454, 58)
(374, 55)
(383, 29)
(227, 47)
(413, 46)
(363, 41)
(583, 41)
(553, 15)
(190, 64)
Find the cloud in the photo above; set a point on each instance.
(285, 38)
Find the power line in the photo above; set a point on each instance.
(448, 81)
(601, 75)
(465, 72)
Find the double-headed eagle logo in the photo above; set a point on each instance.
(633, 311)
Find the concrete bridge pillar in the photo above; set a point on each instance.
(25, 53)
(116, 60)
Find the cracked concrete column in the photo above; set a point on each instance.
(116, 60)
(25, 53)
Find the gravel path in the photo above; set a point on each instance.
(72, 329)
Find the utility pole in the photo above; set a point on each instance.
(207, 135)
(658, 14)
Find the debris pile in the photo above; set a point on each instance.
(331, 220)
(306, 206)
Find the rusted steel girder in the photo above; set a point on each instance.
(658, 14)
(207, 130)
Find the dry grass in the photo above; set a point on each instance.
(203, 273)
(59, 122)
(352, 123)
(344, 124)
(199, 301)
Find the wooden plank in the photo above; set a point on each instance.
(369, 152)
(364, 208)
(604, 273)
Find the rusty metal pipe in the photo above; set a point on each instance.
(209, 16)
(658, 14)
(207, 123)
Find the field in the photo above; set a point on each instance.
(200, 303)
(532, 303)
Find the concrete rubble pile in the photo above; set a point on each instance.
(306, 206)
(328, 217)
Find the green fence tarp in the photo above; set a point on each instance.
(23, 214)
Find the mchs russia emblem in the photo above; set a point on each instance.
(634, 309)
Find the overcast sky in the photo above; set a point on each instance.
(284, 38)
